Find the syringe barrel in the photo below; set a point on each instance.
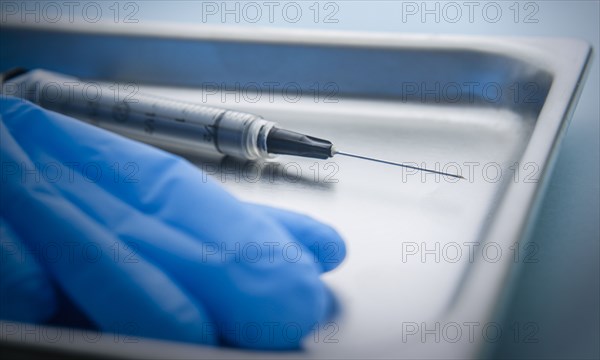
(175, 125)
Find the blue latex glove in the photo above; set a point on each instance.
(147, 245)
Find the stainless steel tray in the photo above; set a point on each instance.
(429, 258)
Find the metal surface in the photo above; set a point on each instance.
(403, 228)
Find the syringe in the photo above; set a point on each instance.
(172, 124)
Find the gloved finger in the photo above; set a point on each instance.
(226, 275)
(26, 292)
(133, 297)
(190, 227)
(327, 246)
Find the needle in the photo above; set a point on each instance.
(280, 141)
(335, 152)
